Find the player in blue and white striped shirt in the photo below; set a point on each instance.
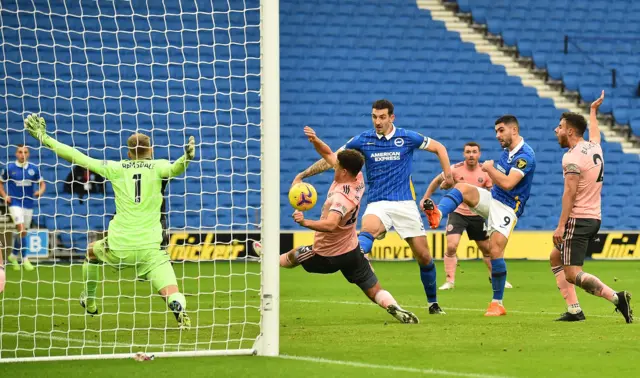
(388, 152)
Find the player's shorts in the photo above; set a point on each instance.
(403, 216)
(20, 215)
(353, 265)
(143, 260)
(500, 217)
(473, 224)
(577, 235)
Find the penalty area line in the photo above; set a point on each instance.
(405, 369)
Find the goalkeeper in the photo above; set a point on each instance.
(135, 233)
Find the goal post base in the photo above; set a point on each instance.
(123, 356)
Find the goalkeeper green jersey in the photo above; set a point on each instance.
(138, 187)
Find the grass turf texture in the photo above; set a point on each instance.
(326, 318)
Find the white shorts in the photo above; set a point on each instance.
(499, 216)
(403, 216)
(21, 215)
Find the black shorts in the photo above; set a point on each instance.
(473, 224)
(353, 265)
(577, 235)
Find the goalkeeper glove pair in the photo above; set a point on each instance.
(37, 127)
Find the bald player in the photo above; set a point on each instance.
(135, 233)
(583, 171)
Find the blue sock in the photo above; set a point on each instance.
(17, 246)
(428, 278)
(498, 278)
(23, 246)
(366, 241)
(450, 202)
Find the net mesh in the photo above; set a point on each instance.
(98, 71)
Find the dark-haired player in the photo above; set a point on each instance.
(388, 152)
(463, 219)
(583, 170)
(512, 176)
(335, 243)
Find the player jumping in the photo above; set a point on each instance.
(388, 153)
(583, 169)
(135, 233)
(512, 176)
(335, 243)
(21, 177)
(468, 171)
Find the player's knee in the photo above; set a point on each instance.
(570, 275)
(168, 291)
(451, 250)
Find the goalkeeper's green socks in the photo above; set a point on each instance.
(90, 275)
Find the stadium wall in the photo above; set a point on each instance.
(208, 245)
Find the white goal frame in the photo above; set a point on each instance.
(268, 341)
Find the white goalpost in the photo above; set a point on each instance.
(99, 71)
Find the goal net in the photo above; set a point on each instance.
(98, 71)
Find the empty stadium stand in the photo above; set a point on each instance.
(337, 57)
(601, 36)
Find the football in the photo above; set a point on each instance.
(303, 196)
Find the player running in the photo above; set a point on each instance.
(583, 169)
(20, 177)
(388, 152)
(512, 176)
(335, 243)
(135, 233)
(469, 171)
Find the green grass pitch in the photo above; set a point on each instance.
(328, 323)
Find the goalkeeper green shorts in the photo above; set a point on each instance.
(143, 261)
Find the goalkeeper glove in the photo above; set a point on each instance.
(36, 126)
(190, 149)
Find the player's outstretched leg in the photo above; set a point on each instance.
(90, 277)
(163, 280)
(385, 300)
(568, 290)
(592, 285)
(422, 255)
(455, 197)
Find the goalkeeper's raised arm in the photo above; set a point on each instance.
(139, 148)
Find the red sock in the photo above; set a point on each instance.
(450, 264)
(592, 285)
(384, 299)
(568, 290)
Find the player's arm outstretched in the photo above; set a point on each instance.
(433, 186)
(317, 167)
(594, 129)
(37, 127)
(179, 166)
(321, 147)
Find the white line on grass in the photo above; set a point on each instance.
(353, 303)
(389, 367)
